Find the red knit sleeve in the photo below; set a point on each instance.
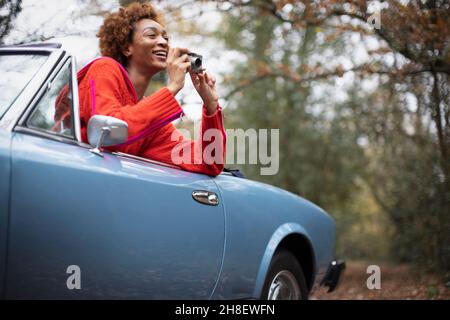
(107, 88)
(168, 141)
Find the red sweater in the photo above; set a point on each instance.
(105, 88)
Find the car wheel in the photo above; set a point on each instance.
(285, 279)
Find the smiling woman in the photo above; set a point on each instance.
(135, 47)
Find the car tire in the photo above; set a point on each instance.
(285, 279)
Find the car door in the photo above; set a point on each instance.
(86, 226)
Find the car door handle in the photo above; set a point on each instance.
(206, 197)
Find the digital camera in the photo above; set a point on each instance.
(196, 62)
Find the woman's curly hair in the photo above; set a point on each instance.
(117, 30)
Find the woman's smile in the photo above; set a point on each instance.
(160, 55)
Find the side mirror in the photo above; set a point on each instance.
(104, 131)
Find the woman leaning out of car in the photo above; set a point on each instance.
(135, 47)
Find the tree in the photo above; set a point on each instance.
(10, 8)
(418, 31)
(404, 122)
(319, 155)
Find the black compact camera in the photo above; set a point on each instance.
(196, 62)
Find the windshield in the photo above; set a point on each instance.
(16, 70)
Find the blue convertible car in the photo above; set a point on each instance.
(132, 228)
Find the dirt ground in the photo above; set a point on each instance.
(397, 282)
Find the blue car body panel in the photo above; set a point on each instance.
(258, 218)
(132, 226)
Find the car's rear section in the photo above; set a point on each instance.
(261, 222)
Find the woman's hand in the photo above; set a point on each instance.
(205, 84)
(178, 65)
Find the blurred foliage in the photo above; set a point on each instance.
(125, 3)
(378, 161)
(405, 170)
(319, 155)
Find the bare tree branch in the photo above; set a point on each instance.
(12, 8)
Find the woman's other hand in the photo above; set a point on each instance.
(205, 84)
(178, 65)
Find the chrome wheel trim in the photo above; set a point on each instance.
(284, 286)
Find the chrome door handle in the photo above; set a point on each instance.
(206, 197)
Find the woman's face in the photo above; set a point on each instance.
(150, 46)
